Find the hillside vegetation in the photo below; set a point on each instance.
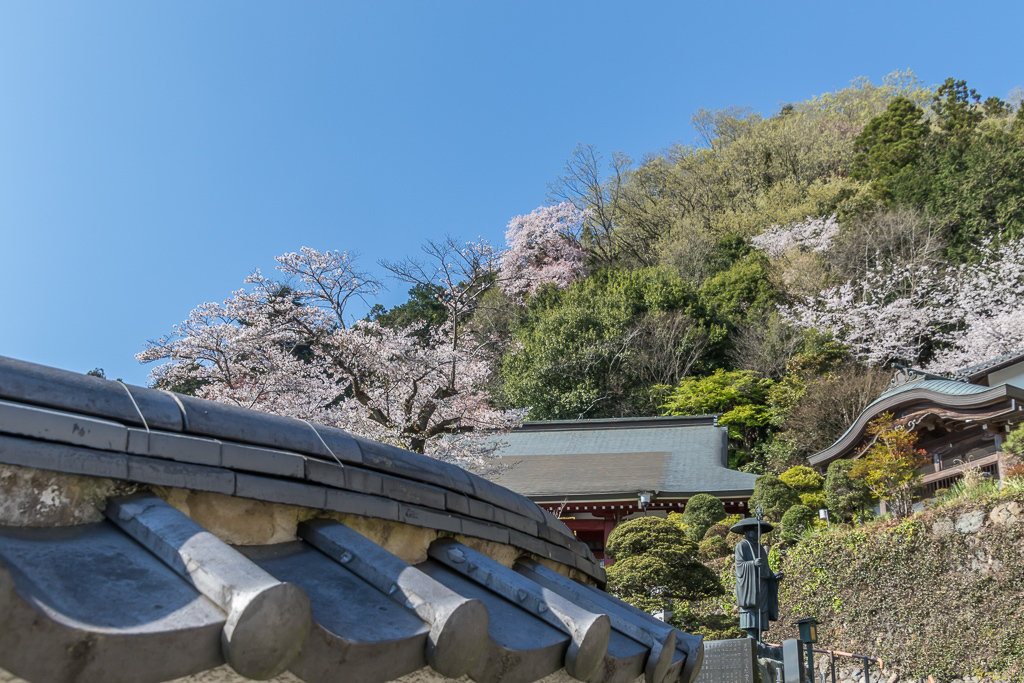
(770, 271)
(938, 593)
(774, 269)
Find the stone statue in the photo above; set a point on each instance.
(757, 586)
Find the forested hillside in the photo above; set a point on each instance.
(772, 271)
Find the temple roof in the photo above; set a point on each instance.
(948, 387)
(150, 594)
(940, 393)
(607, 459)
(972, 373)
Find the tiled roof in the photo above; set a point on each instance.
(151, 595)
(606, 458)
(978, 370)
(949, 387)
(938, 392)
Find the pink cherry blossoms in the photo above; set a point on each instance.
(896, 314)
(543, 247)
(814, 234)
(880, 318)
(285, 349)
(987, 299)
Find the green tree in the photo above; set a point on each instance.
(1013, 448)
(797, 519)
(774, 496)
(889, 467)
(744, 288)
(1014, 444)
(656, 564)
(955, 106)
(967, 173)
(803, 479)
(890, 142)
(739, 395)
(422, 306)
(844, 495)
(700, 513)
(597, 348)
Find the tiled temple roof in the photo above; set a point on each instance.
(943, 393)
(973, 373)
(679, 456)
(149, 594)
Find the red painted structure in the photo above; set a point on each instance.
(593, 521)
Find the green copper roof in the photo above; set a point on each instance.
(949, 387)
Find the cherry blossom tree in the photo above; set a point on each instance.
(543, 247)
(988, 298)
(814, 234)
(459, 274)
(880, 318)
(894, 314)
(286, 349)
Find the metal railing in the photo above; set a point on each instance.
(865, 659)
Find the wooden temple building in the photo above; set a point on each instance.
(593, 474)
(961, 420)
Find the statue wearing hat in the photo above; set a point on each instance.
(757, 586)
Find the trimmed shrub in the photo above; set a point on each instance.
(720, 530)
(656, 563)
(803, 479)
(796, 520)
(713, 547)
(815, 501)
(774, 495)
(700, 513)
(844, 495)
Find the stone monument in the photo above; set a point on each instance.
(729, 661)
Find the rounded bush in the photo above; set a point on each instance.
(796, 520)
(713, 547)
(719, 530)
(774, 495)
(700, 513)
(803, 479)
(815, 501)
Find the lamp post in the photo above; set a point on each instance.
(759, 515)
(645, 500)
(809, 636)
(823, 514)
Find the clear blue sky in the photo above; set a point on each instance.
(153, 153)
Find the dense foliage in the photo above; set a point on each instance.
(770, 272)
(700, 514)
(773, 497)
(937, 593)
(656, 564)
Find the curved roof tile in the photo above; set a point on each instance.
(152, 595)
